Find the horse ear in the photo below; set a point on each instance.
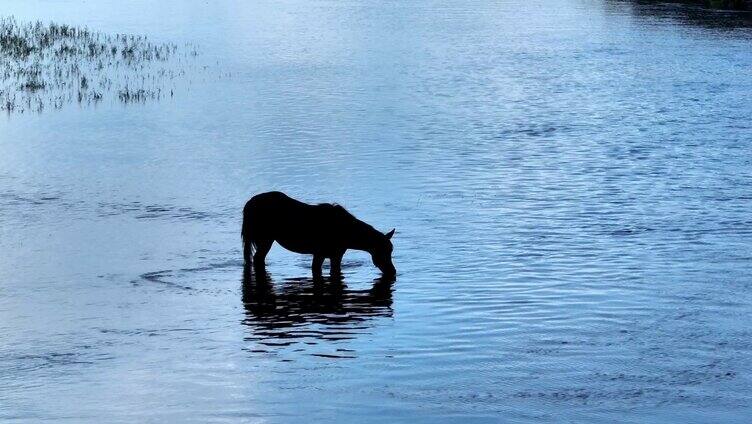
(390, 234)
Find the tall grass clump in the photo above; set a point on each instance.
(49, 65)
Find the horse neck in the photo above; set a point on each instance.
(362, 237)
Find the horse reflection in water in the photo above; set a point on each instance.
(311, 310)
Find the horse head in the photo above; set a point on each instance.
(381, 254)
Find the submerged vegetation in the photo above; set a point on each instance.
(716, 4)
(50, 65)
(729, 4)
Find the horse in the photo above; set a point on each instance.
(325, 230)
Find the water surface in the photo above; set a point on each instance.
(570, 181)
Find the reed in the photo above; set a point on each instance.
(50, 65)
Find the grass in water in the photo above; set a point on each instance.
(51, 65)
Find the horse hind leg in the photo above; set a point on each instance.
(247, 234)
(247, 252)
(262, 248)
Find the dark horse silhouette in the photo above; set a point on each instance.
(325, 230)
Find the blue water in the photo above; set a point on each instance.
(570, 181)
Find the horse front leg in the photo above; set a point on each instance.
(316, 264)
(336, 264)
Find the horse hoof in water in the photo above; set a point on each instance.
(325, 230)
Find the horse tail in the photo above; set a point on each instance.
(246, 234)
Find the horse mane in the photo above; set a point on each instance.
(346, 215)
(338, 209)
(341, 209)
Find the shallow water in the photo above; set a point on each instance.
(570, 182)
